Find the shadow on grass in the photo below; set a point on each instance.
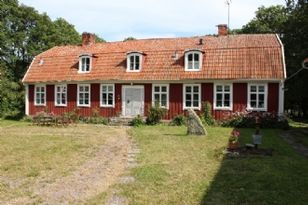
(278, 179)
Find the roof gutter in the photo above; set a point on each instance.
(283, 57)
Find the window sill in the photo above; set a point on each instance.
(82, 72)
(192, 70)
(60, 105)
(83, 105)
(223, 108)
(40, 105)
(132, 71)
(194, 108)
(107, 106)
(257, 109)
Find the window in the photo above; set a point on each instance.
(85, 64)
(107, 95)
(40, 95)
(83, 97)
(160, 95)
(192, 96)
(257, 97)
(193, 60)
(223, 96)
(134, 62)
(60, 95)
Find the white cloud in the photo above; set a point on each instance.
(116, 19)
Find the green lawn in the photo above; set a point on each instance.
(31, 154)
(179, 169)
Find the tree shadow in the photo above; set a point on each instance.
(278, 179)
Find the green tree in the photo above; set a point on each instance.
(24, 33)
(268, 20)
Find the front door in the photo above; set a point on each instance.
(133, 100)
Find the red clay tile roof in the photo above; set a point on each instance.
(225, 57)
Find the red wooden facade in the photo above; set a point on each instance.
(175, 100)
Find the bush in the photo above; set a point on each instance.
(137, 121)
(248, 120)
(207, 117)
(178, 120)
(156, 113)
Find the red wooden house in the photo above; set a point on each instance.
(233, 72)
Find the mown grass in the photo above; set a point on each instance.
(179, 169)
(31, 154)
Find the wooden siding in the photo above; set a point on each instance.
(273, 97)
(175, 100)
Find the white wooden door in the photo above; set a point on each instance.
(133, 101)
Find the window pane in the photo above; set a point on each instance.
(164, 97)
(86, 101)
(253, 88)
(218, 88)
(86, 88)
(261, 104)
(156, 98)
(226, 103)
(218, 103)
(227, 88)
(219, 96)
(196, 89)
(190, 65)
(188, 103)
(86, 96)
(261, 88)
(253, 97)
(188, 96)
(195, 103)
(253, 104)
(227, 96)
(164, 89)
(196, 97)
(104, 88)
(188, 89)
(156, 88)
(81, 88)
(196, 57)
(110, 99)
(137, 66)
(190, 57)
(110, 88)
(196, 65)
(104, 99)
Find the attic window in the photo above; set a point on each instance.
(193, 60)
(134, 62)
(85, 63)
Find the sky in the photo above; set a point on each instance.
(115, 20)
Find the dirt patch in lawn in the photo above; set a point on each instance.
(91, 178)
(291, 137)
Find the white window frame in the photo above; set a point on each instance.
(101, 95)
(81, 66)
(230, 107)
(257, 97)
(61, 92)
(184, 96)
(78, 92)
(200, 60)
(128, 62)
(35, 92)
(160, 92)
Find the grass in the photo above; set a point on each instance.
(299, 131)
(179, 169)
(30, 154)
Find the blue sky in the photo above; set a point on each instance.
(115, 20)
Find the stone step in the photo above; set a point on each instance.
(119, 121)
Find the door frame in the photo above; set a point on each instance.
(124, 87)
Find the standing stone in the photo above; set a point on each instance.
(194, 124)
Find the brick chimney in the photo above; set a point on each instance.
(88, 39)
(222, 30)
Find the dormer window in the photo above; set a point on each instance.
(134, 62)
(193, 60)
(85, 63)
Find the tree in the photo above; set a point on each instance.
(24, 33)
(295, 40)
(268, 20)
(129, 39)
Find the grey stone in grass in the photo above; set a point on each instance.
(194, 124)
(117, 200)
